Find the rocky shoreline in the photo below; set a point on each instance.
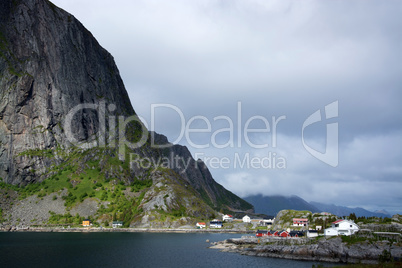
(128, 230)
(323, 250)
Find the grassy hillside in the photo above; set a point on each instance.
(98, 175)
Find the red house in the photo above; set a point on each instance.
(284, 234)
(261, 233)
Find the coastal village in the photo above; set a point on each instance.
(320, 237)
(311, 226)
(286, 224)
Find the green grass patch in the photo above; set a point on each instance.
(64, 219)
(352, 239)
(1, 216)
(48, 153)
(138, 185)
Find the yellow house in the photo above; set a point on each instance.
(86, 223)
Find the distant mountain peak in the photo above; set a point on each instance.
(271, 205)
(346, 211)
(382, 211)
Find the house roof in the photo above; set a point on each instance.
(300, 219)
(298, 233)
(201, 223)
(338, 221)
(347, 221)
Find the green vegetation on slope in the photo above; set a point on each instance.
(98, 174)
(94, 173)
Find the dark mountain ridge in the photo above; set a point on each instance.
(271, 205)
(346, 211)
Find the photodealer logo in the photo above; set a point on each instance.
(257, 132)
(330, 156)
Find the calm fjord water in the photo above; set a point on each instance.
(125, 250)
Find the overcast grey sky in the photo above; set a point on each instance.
(281, 59)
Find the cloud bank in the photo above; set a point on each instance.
(276, 58)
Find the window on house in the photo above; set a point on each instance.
(336, 225)
(350, 225)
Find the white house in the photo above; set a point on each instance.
(117, 224)
(266, 222)
(342, 227)
(246, 219)
(227, 217)
(201, 225)
(300, 222)
(312, 233)
(215, 224)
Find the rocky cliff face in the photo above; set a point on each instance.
(49, 64)
(61, 95)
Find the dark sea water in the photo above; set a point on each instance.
(125, 250)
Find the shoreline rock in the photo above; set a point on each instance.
(325, 250)
(128, 230)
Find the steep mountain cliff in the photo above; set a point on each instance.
(49, 64)
(67, 125)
